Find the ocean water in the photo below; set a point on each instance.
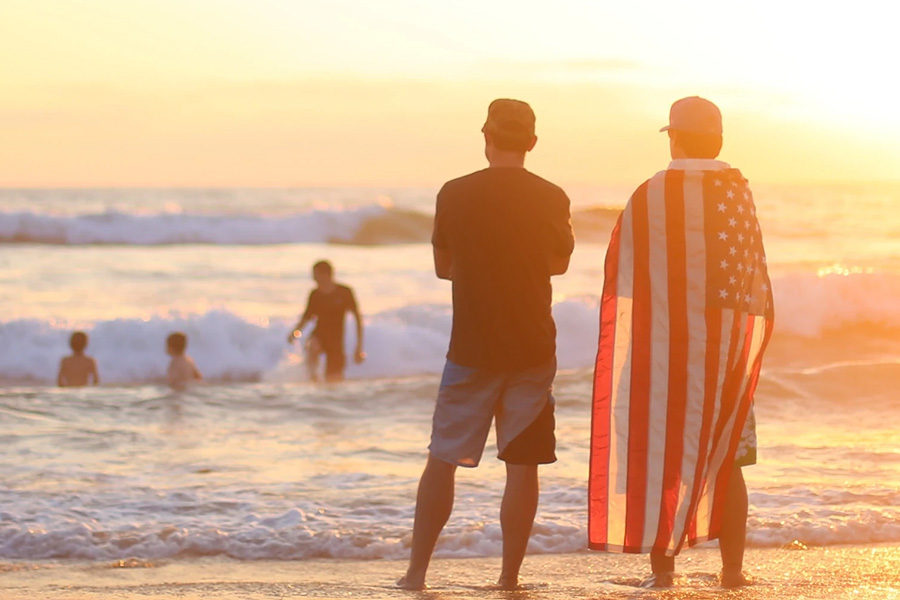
(259, 464)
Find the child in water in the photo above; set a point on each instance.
(182, 369)
(77, 370)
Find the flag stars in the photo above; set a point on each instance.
(732, 279)
(746, 224)
(723, 236)
(729, 194)
(740, 267)
(718, 183)
(732, 251)
(740, 237)
(765, 287)
(723, 265)
(740, 208)
(746, 195)
(748, 298)
(721, 207)
(723, 294)
(732, 222)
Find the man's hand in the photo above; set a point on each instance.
(359, 356)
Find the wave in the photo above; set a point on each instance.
(368, 225)
(188, 523)
(832, 311)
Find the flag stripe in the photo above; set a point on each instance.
(621, 388)
(728, 430)
(677, 359)
(660, 332)
(699, 401)
(598, 488)
(685, 318)
(640, 384)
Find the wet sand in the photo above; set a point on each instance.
(835, 573)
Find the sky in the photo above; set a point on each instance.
(393, 93)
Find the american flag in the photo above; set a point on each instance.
(685, 317)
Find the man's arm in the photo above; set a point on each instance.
(443, 260)
(564, 239)
(61, 377)
(559, 264)
(304, 319)
(358, 354)
(443, 263)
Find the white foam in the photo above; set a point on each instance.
(810, 304)
(178, 525)
(402, 342)
(113, 227)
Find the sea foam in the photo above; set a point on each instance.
(412, 340)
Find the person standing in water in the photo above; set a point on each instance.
(328, 304)
(77, 370)
(182, 371)
(499, 235)
(685, 317)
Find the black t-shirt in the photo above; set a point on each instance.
(501, 227)
(329, 311)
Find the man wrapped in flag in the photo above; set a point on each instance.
(685, 318)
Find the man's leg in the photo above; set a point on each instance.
(434, 503)
(520, 501)
(663, 568)
(660, 563)
(313, 350)
(733, 536)
(335, 361)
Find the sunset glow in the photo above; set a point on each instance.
(279, 92)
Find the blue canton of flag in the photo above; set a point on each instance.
(737, 276)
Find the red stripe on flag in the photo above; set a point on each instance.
(730, 399)
(676, 253)
(598, 479)
(639, 414)
(711, 368)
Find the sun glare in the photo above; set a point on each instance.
(283, 76)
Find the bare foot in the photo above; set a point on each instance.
(508, 584)
(408, 583)
(734, 579)
(659, 580)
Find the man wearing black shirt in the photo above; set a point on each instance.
(499, 235)
(328, 304)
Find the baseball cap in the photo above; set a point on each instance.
(695, 115)
(509, 118)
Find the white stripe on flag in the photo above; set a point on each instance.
(704, 507)
(695, 251)
(617, 479)
(659, 356)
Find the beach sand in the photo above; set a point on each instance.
(835, 573)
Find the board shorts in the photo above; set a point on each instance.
(746, 450)
(521, 402)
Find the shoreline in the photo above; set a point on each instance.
(835, 573)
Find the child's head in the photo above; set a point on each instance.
(78, 342)
(176, 343)
(323, 272)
